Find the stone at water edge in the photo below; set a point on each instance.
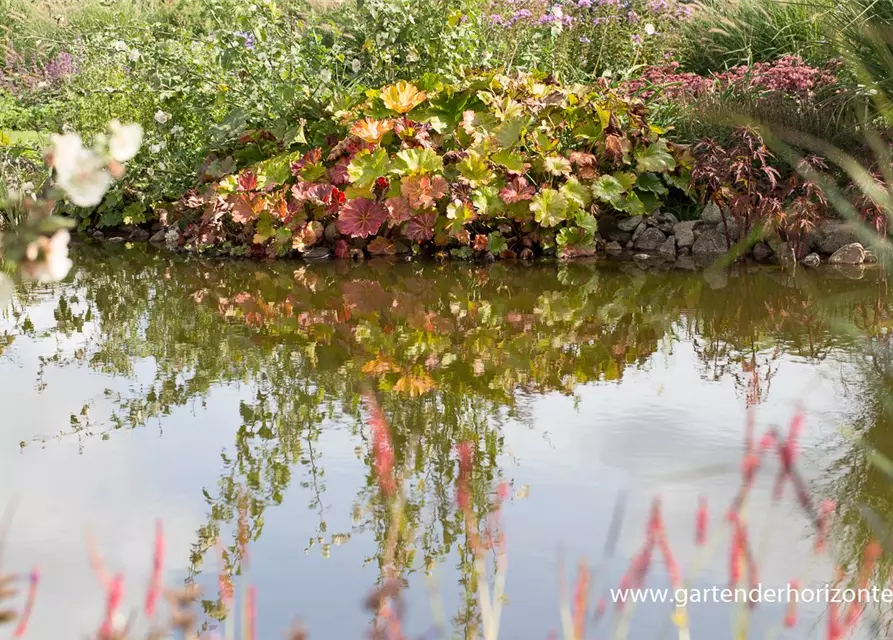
(870, 258)
(852, 253)
(762, 252)
(629, 224)
(158, 237)
(712, 242)
(812, 260)
(650, 239)
(620, 237)
(833, 237)
(139, 235)
(786, 253)
(711, 214)
(613, 248)
(638, 232)
(668, 249)
(685, 233)
(317, 253)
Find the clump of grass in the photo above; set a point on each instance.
(726, 33)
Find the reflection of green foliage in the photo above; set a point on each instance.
(450, 349)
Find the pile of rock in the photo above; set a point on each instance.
(663, 235)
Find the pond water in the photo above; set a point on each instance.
(198, 392)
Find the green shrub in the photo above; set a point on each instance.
(499, 165)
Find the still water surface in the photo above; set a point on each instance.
(154, 386)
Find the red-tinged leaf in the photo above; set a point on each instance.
(342, 250)
(399, 210)
(421, 227)
(381, 247)
(361, 217)
(517, 190)
(423, 192)
(338, 173)
(247, 181)
(314, 156)
(246, 208)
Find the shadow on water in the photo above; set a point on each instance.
(455, 352)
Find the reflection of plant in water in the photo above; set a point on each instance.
(452, 351)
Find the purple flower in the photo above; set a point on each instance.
(248, 37)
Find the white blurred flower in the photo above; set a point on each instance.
(325, 75)
(80, 172)
(125, 140)
(47, 258)
(162, 166)
(151, 172)
(120, 45)
(134, 55)
(176, 130)
(161, 117)
(356, 65)
(649, 29)
(155, 148)
(27, 187)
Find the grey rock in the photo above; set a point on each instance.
(683, 251)
(116, 239)
(628, 245)
(401, 247)
(711, 214)
(762, 252)
(668, 249)
(629, 224)
(685, 233)
(663, 221)
(812, 260)
(730, 227)
(140, 235)
(620, 237)
(330, 233)
(852, 253)
(613, 248)
(317, 253)
(158, 237)
(846, 271)
(686, 263)
(712, 242)
(835, 236)
(98, 234)
(638, 232)
(650, 239)
(870, 258)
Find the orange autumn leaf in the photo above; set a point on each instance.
(402, 97)
(379, 367)
(423, 191)
(371, 130)
(414, 385)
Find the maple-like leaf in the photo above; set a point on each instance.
(549, 207)
(246, 207)
(402, 97)
(247, 181)
(516, 190)
(399, 210)
(421, 227)
(361, 217)
(414, 385)
(371, 130)
(423, 191)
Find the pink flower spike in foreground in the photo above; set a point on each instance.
(155, 581)
(33, 583)
(382, 448)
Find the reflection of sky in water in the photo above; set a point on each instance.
(662, 430)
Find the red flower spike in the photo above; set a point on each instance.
(33, 583)
(581, 597)
(252, 613)
(825, 512)
(790, 618)
(382, 449)
(701, 522)
(155, 581)
(113, 601)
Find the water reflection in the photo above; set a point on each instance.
(547, 370)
